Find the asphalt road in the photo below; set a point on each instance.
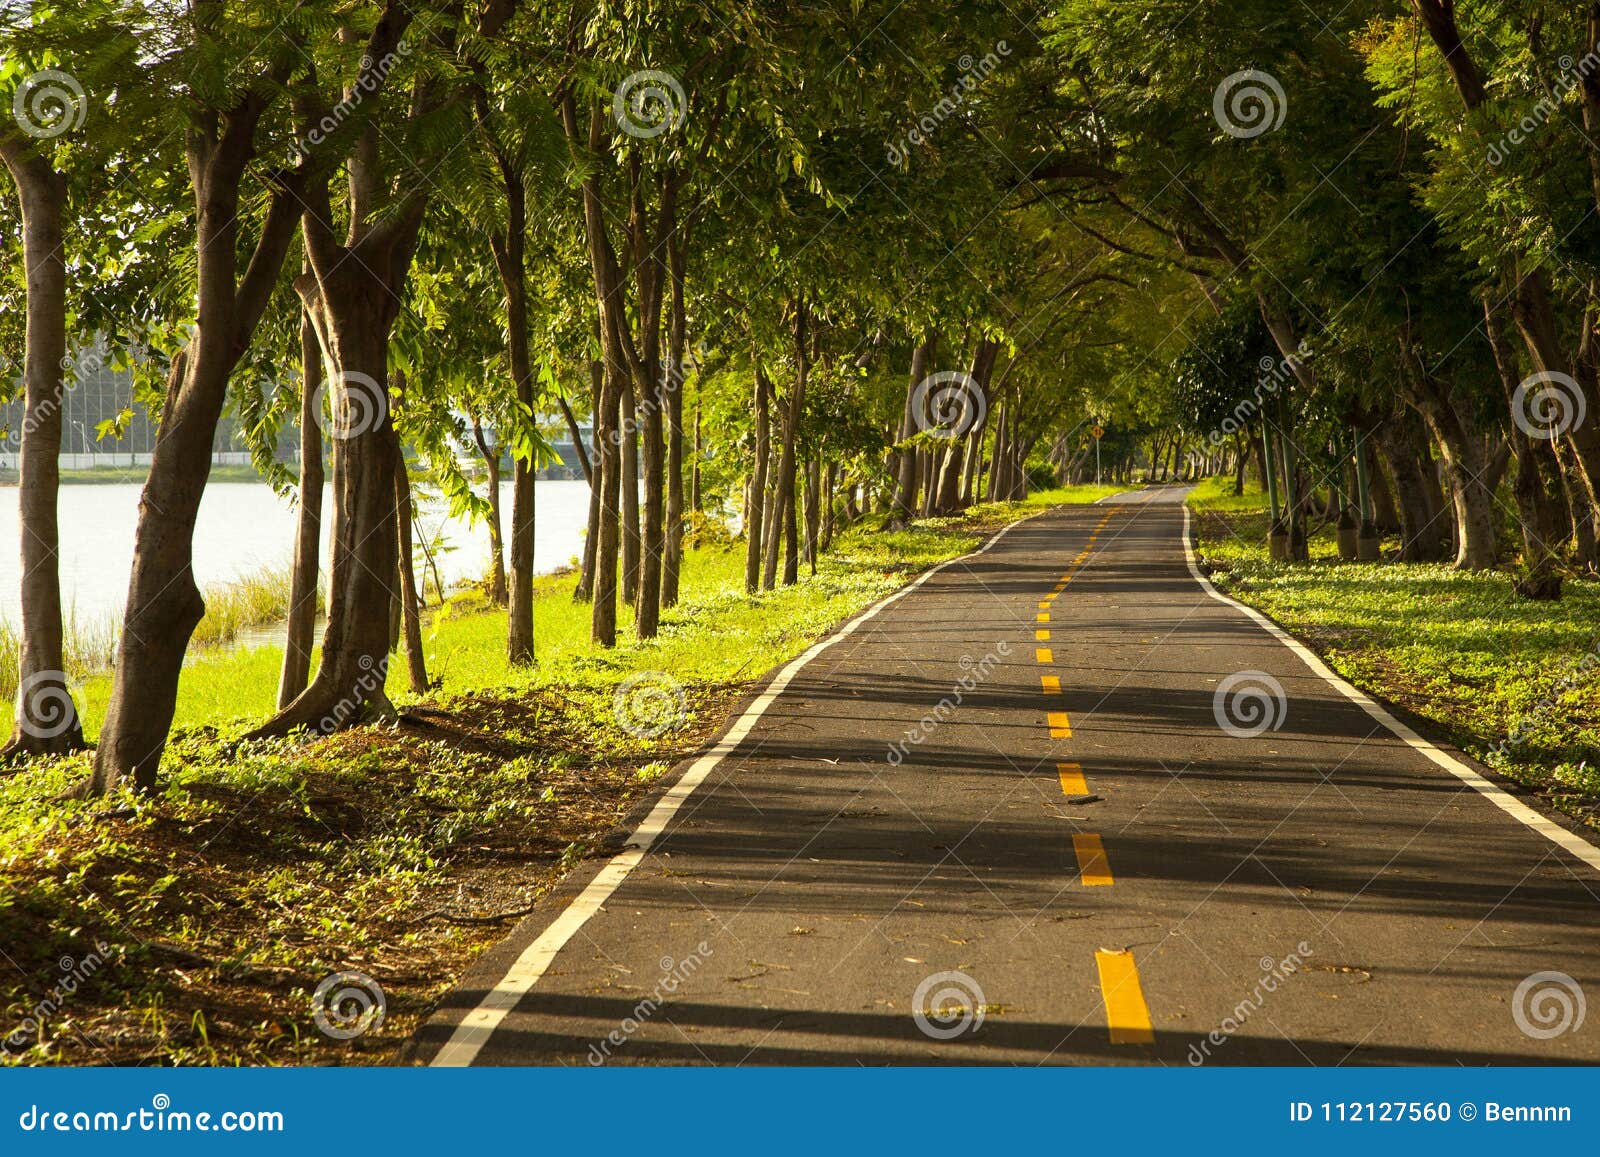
(1016, 780)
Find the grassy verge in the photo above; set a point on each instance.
(111, 474)
(1512, 682)
(193, 927)
(250, 602)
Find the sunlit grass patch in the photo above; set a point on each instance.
(1513, 682)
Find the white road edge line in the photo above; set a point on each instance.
(478, 1025)
(1496, 795)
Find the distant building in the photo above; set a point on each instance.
(96, 393)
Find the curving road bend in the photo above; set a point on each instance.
(1059, 804)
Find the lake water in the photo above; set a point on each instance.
(244, 526)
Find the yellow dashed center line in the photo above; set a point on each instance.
(1072, 781)
(1043, 655)
(1127, 1015)
(1042, 635)
(1093, 867)
(1060, 725)
(1042, 617)
(1051, 684)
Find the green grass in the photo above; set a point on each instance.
(251, 602)
(108, 475)
(259, 869)
(1216, 493)
(1512, 682)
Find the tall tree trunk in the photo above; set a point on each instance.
(584, 591)
(830, 488)
(628, 434)
(497, 552)
(305, 577)
(677, 332)
(655, 387)
(813, 514)
(1462, 455)
(411, 620)
(997, 455)
(788, 460)
(905, 497)
(1416, 496)
(45, 719)
(696, 502)
(164, 604)
(354, 295)
(353, 321)
(510, 257)
(1537, 517)
(755, 511)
